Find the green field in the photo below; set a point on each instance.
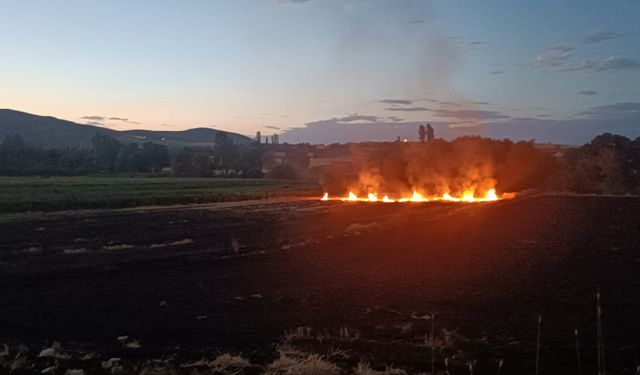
(24, 194)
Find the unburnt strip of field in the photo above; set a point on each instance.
(21, 194)
(356, 282)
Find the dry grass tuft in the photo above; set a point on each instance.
(294, 362)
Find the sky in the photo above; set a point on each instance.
(324, 71)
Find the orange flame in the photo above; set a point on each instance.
(468, 196)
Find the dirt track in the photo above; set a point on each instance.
(237, 277)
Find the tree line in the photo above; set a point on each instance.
(111, 157)
(107, 156)
(609, 164)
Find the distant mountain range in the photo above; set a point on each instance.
(50, 132)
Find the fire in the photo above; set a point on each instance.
(417, 197)
(468, 196)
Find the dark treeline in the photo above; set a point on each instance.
(609, 164)
(110, 156)
(224, 160)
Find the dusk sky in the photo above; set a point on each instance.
(324, 71)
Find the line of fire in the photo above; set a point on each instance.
(467, 169)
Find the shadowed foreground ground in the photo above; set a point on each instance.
(235, 279)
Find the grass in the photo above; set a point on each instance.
(25, 194)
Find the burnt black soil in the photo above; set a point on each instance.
(204, 279)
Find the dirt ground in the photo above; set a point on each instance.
(361, 277)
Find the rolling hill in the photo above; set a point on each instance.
(51, 132)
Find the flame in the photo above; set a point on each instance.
(468, 196)
(447, 197)
(491, 195)
(417, 197)
(352, 197)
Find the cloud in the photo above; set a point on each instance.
(470, 114)
(552, 58)
(476, 43)
(618, 118)
(395, 119)
(600, 37)
(104, 120)
(123, 120)
(333, 131)
(357, 118)
(450, 104)
(396, 101)
(613, 110)
(93, 118)
(587, 92)
(273, 127)
(607, 64)
(408, 109)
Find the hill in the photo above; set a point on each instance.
(51, 132)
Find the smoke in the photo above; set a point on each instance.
(437, 168)
(395, 45)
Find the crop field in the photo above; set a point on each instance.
(303, 286)
(19, 194)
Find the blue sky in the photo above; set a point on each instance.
(328, 70)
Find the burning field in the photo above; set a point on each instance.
(468, 196)
(348, 288)
(467, 169)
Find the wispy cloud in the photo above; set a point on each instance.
(616, 109)
(273, 127)
(407, 109)
(396, 101)
(552, 58)
(607, 64)
(587, 92)
(96, 120)
(470, 114)
(93, 118)
(123, 120)
(357, 118)
(601, 37)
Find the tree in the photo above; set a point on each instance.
(422, 133)
(430, 133)
(106, 149)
